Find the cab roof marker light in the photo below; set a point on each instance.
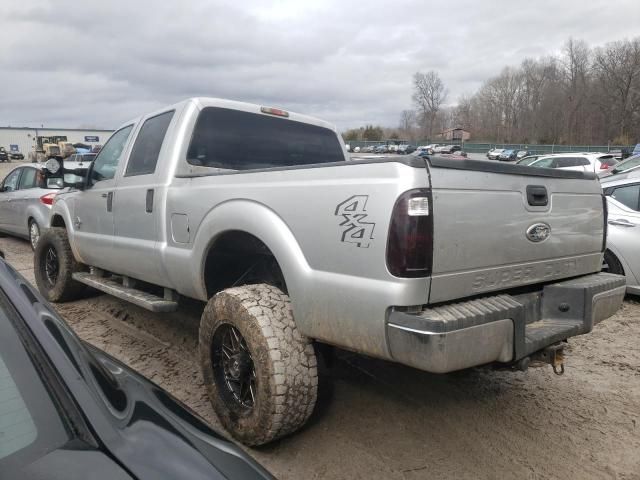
(274, 111)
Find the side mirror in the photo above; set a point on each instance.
(57, 175)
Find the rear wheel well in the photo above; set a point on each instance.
(58, 221)
(239, 258)
(611, 263)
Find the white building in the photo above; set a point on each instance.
(25, 139)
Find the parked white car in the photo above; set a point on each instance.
(622, 255)
(598, 163)
(494, 153)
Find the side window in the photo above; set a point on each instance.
(581, 161)
(146, 149)
(106, 163)
(10, 183)
(28, 179)
(544, 162)
(628, 195)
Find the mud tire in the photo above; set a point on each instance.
(286, 375)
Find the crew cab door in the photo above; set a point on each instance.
(92, 209)
(137, 203)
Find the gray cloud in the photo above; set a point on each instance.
(69, 63)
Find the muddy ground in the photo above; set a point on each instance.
(385, 421)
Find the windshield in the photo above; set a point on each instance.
(236, 140)
(30, 424)
(629, 163)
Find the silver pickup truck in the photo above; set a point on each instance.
(439, 264)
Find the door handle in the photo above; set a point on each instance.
(149, 201)
(104, 195)
(621, 222)
(537, 195)
(109, 201)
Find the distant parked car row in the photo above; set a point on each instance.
(403, 149)
(7, 156)
(506, 155)
(400, 149)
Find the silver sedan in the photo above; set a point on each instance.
(25, 201)
(622, 255)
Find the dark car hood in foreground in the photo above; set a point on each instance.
(124, 426)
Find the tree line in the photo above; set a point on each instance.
(583, 95)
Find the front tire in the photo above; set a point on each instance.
(260, 372)
(54, 265)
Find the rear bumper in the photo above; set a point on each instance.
(502, 328)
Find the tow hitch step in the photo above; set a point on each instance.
(125, 291)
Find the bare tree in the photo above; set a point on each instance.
(429, 93)
(463, 113)
(407, 120)
(582, 95)
(575, 63)
(617, 70)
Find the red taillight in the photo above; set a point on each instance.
(410, 242)
(604, 166)
(48, 198)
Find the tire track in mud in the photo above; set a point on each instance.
(382, 420)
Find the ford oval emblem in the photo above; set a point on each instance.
(538, 232)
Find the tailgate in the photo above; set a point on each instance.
(493, 230)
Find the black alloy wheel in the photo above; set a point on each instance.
(233, 366)
(51, 266)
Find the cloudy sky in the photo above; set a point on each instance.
(98, 63)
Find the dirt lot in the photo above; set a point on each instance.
(382, 420)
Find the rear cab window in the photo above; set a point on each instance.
(146, 149)
(236, 140)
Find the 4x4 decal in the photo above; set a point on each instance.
(354, 228)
